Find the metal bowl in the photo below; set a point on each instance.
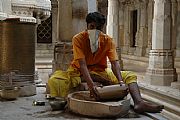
(49, 97)
(10, 93)
(58, 104)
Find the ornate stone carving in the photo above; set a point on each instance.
(132, 2)
(25, 10)
(161, 59)
(161, 71)
(161, 53)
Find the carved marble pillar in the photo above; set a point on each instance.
(79, 12)
(126, 41)
(121, 25)
(113, 24)
(174, 23)
(161, 69)
(92, 5)
(141, 42)
(121, 33)
(71, 20)
(54, 21)
(177, 37)
(178, 32)
(65, 20)
(113, 20)
(150, 19)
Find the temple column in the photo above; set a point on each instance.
(121, 25)
(161, 69)
(113, 20)
(126, 41)
(178, 32)
(141, 42)
(65, 16)
(176, 36)
(149, 34)
(113, 24)
(174, 23)
(54, 10)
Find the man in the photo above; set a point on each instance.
(91, 49)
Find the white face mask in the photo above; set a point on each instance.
(93, 37)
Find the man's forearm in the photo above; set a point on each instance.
(84, 70)
(85, 73)
(116, 70)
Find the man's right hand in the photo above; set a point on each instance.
(94, 93)
(87, 77)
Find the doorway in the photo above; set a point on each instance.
(133, 28)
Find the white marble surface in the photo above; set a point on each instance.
(25, 10)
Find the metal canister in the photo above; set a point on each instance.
(38, 103)
(17, 50)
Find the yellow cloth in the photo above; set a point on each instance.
(61, 82)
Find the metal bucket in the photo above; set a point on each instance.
(17, 47)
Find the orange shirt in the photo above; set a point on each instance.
(98, 60)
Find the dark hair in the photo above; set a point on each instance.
(96, 17)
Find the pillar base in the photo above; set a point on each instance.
(147, 51)
(140, 51)
(177, 53)
(28, 90)
(125, 49)
(175, 85)
(161, 77)
(161, 69)
(131, 50)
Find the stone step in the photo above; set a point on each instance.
(144, 61)
(167, 96)
(156, 116)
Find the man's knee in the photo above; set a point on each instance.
(129, 77)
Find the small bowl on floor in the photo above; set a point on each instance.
(58, 104)
(49, 97)
(10, 93)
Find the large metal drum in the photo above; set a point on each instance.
(17, 52)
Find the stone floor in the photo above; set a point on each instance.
(23, 109)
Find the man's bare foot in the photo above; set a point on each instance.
(147, 107)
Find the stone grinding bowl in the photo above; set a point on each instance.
(57, 103)
(81, 103)
(10, 93)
